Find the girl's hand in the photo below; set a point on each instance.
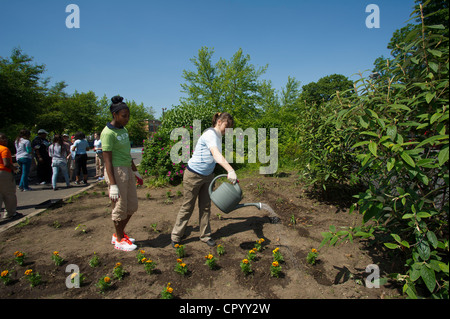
(232, 177)
(114, 193)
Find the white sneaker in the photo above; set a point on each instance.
(114, 239)
(125, 245)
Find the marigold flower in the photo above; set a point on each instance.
(275, 264)
(149, 261)
(142, 251)
(118, 264)
(106, 279)
(18, 254)
(169, 290)
(179, 261)
(28, 272)
(176, 245)
(143, 260)
(210, 256)
(254, 250)
(4, 273)
(56, 253)
(276, 249)
(314, 250)
(245, 261)
(183, 265)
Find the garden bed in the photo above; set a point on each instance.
(82, 226)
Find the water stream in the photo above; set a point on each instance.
(273, 217)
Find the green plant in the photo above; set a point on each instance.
(149, 265)
(399, 129)
(81, 227)
(118, 271)
(259, 244)
(33, 277)
(19, 257)
(103, 284)
(57, 259)
(220, 250)
(275, 269)
(251, 255)
(246, 266)
(311, 258)
(210, 261)
(140, 256)
(181, 267)
(179, 249)
(94, 261)
(277, 256)
(5, 276)
(167, 292)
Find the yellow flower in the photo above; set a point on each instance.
(118, 264)
(251, 251)
(4, 273)
(18, 254)
(143, 260)
(210, 256)
(245, 261)
(276, 249)
(168, 284)
(142, 251)
(183, 265)
(28, 272)
(254, 250)
(314, 250)
(261, 240)
(275, 264)
(219, 245)
(176, 245)
(149, 261)
(169, 290)
(179, 261)
(106, 279)
(56, 253)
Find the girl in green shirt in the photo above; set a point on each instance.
(120, 173)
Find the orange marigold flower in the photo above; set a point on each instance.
(143, 260)
(245, 261)
(118, 264)
(149, 261)
(210, 256)
(176, 245)
(4, 273)
(106, 279)
(314, 250)
(183, 265)
(56, 253)
(169, 290)
(28, 272)
(275, 264)
(142, 251)
(179, 261)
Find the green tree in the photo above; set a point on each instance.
(322, 91)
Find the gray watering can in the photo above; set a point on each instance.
(227, 196)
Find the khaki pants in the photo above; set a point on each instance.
(8, 193)
(99, 165)
(127, 204)
(195, 185)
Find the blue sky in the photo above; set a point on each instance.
(140, 48)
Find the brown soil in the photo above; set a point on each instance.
(339, 273)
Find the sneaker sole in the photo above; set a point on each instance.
(122, 249)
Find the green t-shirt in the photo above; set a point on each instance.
(116, 140)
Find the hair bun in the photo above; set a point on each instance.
(117, 99)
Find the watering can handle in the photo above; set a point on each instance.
(214, 181)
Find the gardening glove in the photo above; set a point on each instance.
(114, 193)
(232, 177)
(139, 178)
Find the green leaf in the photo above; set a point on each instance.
(406, 216)
(432, 239)
(429, 97)
(390, 164)
(424, 249)
(408, 160)
(428, 277)
(391, 245)
(391, 131)
(373, 148)
(443, 155)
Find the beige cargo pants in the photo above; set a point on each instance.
(195, 185)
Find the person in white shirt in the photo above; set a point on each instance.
(99, 164)
(199, 174)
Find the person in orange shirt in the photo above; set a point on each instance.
(7, 182)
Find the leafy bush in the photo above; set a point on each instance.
(401, 121)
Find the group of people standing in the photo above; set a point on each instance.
(65, 156)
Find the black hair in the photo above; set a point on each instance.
(117, 104)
